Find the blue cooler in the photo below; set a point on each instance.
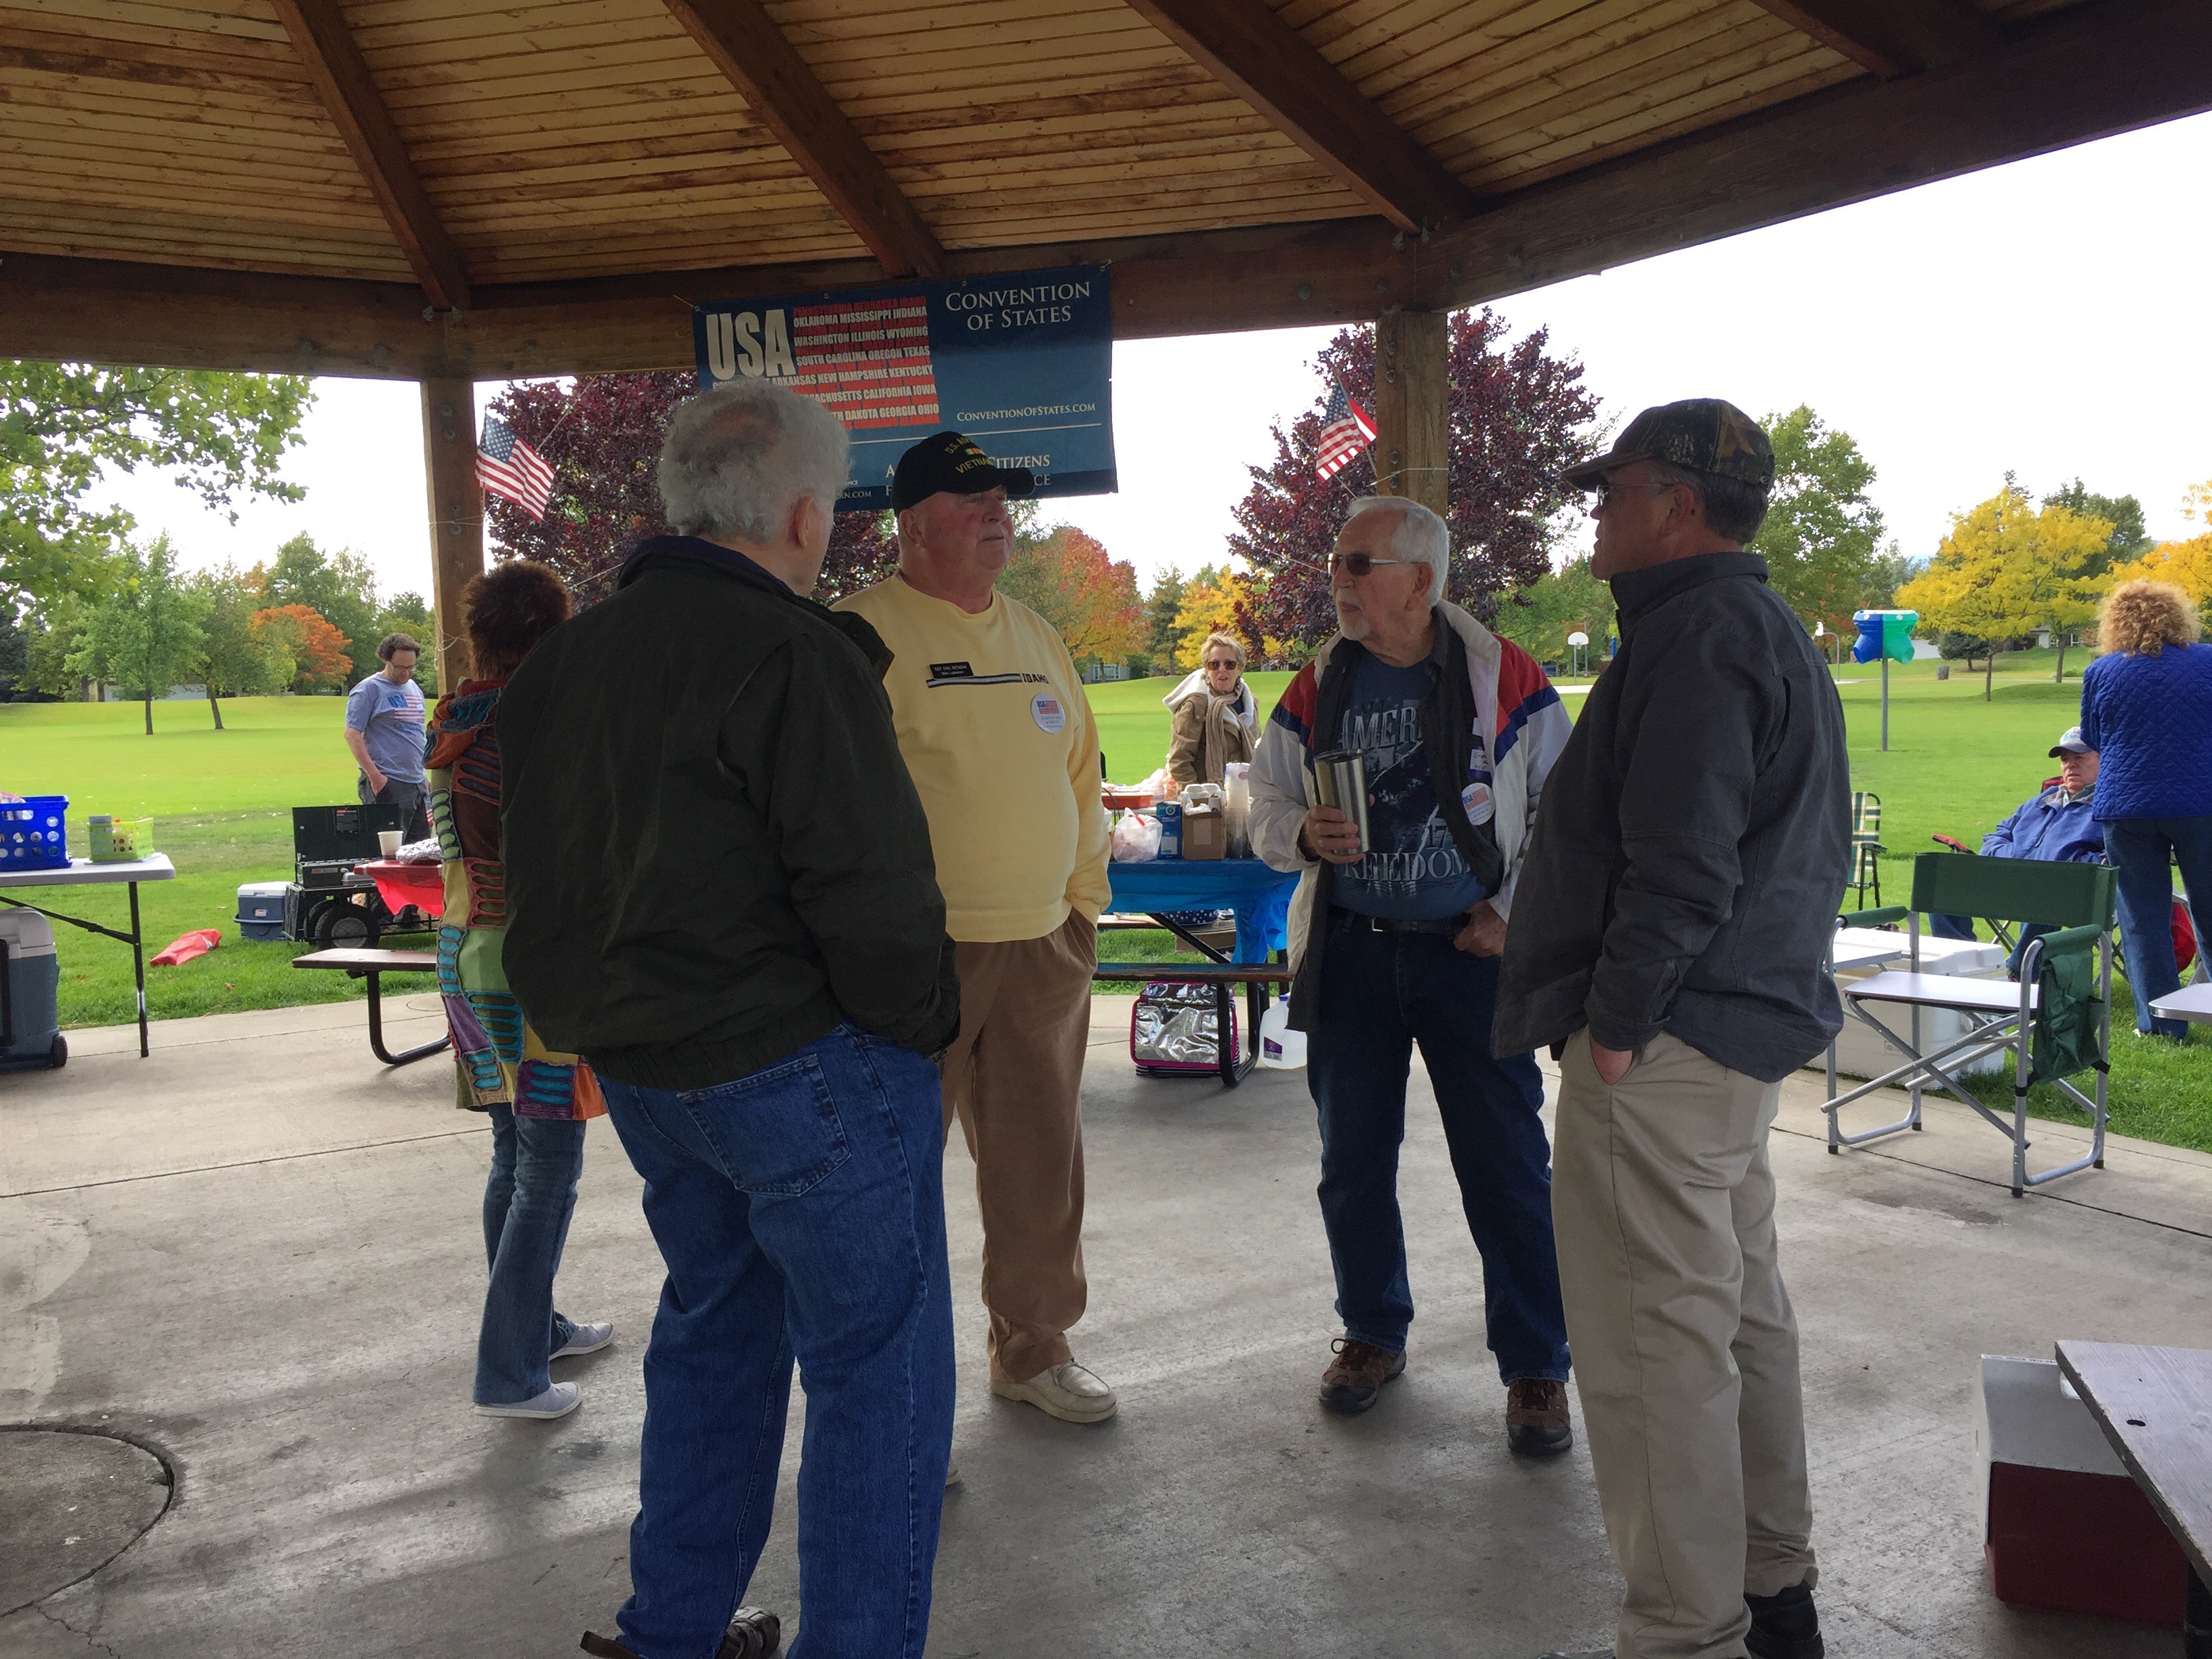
(30, 986)
(262, 910)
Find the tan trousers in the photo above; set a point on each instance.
(1014, 1077)
(1662, 1202)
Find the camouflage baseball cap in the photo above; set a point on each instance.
(1700, 434)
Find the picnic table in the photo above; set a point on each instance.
(400, 884)
(2155, 1405)
(83, 872)
(1165, 890)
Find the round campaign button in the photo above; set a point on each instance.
(1480, 808)
(1048, 712)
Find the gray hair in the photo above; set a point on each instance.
(738, 459)
(1417, 538)
(1733, 510)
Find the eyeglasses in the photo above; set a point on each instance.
(1606, 486)
(1225, 662)
(1360, 564)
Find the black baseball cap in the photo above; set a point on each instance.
(951, 463)
(1700, 434)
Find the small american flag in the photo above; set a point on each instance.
(507, 466)
(1345, 428)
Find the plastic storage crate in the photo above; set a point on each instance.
(34, 833)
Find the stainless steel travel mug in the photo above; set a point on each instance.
(1342, 777)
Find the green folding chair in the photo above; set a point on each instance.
(2057, 1022)
(1866, 845)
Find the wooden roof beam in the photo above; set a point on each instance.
(755, 58)
(1243, 45)
(341, 76)
(1894, 37)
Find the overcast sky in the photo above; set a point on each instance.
(2048, 318)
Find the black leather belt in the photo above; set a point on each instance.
(1448, 925)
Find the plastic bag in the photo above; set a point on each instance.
(1136, 839)
(197, 943)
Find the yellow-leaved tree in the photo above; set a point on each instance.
(1209, 607)
(2007, 569)
(2187, 564)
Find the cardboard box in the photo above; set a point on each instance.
(1205, 833)
(2065, 1530)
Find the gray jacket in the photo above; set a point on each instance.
(1691, 845)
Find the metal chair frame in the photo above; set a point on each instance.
(1991, 1030)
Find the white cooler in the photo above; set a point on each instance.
(1860, 1050)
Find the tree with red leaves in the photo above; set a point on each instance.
(318, 650)
(1066, 576)
(601, 434)
(1516, 416)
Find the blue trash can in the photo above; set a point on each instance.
(30, 990)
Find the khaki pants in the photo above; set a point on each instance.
(1014, 1076)
(1662, 1201)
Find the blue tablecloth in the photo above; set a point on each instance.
(1259, 896)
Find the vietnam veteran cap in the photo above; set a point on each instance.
(952, 463)
(1700, 434)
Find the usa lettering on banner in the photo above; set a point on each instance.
(1023, 363)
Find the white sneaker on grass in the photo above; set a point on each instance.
(556, 1401)
(584, 1339)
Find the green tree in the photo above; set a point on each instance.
(14, 655)
(52, 634)
(223, 436)
(1540, 616)
(1822, 537)
(340, 588)
(1162, 605)
(2130, 538)
(236, 658)
(146, 635)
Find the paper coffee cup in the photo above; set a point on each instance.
(387, 842)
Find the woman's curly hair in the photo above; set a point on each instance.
(2142, 617)
(509, 609)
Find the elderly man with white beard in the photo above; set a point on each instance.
(1395, 944)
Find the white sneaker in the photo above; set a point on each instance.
(556, 1401)
(951, 1474)
(1066, 1391)
(584, 1339)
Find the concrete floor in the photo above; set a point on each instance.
(257, 1254)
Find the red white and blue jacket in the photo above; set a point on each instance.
(1520, 728)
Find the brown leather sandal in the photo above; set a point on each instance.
(755, 1633)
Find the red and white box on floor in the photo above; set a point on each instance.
(2066, 1530)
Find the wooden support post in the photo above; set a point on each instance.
(449, 457)
(1412, 437)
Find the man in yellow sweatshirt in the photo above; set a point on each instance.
(998, 734)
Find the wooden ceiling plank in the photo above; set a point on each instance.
(1894, 37)
(1248, 50)
(319, 31)
(746, 46)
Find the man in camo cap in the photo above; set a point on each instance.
(1666, 944)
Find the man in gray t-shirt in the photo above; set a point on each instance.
(384, 730)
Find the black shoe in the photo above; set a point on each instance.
(1357, 1374)
(1785, 1625)
(754, 1633)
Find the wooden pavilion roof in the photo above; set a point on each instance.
(424, 187)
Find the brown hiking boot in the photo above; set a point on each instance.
(1538, 1422)
(755, 1633)
(1357, 1374)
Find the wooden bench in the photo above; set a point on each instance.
(1252, 976)
(372, 966)
(2154, 1405)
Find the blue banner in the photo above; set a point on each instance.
(1023, 363)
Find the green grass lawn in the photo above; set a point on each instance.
(221, 801)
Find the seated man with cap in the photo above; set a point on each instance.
(995, 728)
(2058, 824)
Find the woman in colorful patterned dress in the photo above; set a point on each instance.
(538, 1101)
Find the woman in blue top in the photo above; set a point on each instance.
(2147, 709)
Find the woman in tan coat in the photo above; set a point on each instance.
(1215, 716)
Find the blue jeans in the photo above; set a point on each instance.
(527, 1202)
(1380, 994)
(800, 1211)
(2141, 848)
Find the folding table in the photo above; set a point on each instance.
(83, 872)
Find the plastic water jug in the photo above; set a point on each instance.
(1279, 1046)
